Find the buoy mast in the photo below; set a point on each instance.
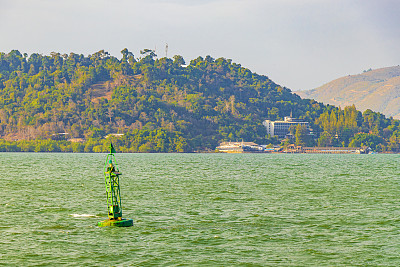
(113, 192)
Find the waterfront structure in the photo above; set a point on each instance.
(326, 150)
(281, 128)
(239, 147)
(336, 150)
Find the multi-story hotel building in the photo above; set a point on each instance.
(281, 128)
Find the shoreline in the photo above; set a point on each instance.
(202, 152)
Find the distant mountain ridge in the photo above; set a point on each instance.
(378, 90)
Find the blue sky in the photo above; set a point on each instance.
(300, 44)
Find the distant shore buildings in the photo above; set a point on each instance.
(281, 128)
(250, 147)
(239, 147)
(326, 150)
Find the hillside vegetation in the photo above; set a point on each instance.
(378, 90)
(160, 105)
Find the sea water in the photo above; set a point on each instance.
(202, 209)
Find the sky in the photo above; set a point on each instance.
(299, 44)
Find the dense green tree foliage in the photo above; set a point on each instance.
(303, 138)
(370, 140)
(350, 127)
(159, 104)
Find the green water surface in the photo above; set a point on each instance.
(202, 209)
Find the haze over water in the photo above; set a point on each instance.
(202, 209)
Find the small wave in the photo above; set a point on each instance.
(82, 215)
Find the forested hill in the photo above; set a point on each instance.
(159, 104)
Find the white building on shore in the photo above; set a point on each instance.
(281, 128)
(239, 147)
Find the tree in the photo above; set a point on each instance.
(178, 60)
(127, 56)
(325, 140)
(368, 140)
(302, 135)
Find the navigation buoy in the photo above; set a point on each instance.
(111, 173)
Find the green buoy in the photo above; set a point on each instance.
(112, 174)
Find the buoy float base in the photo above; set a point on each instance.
(116, 222)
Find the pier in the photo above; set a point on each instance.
(326, 150)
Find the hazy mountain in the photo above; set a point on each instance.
(378, 90)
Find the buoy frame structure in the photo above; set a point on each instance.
(113, 192)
